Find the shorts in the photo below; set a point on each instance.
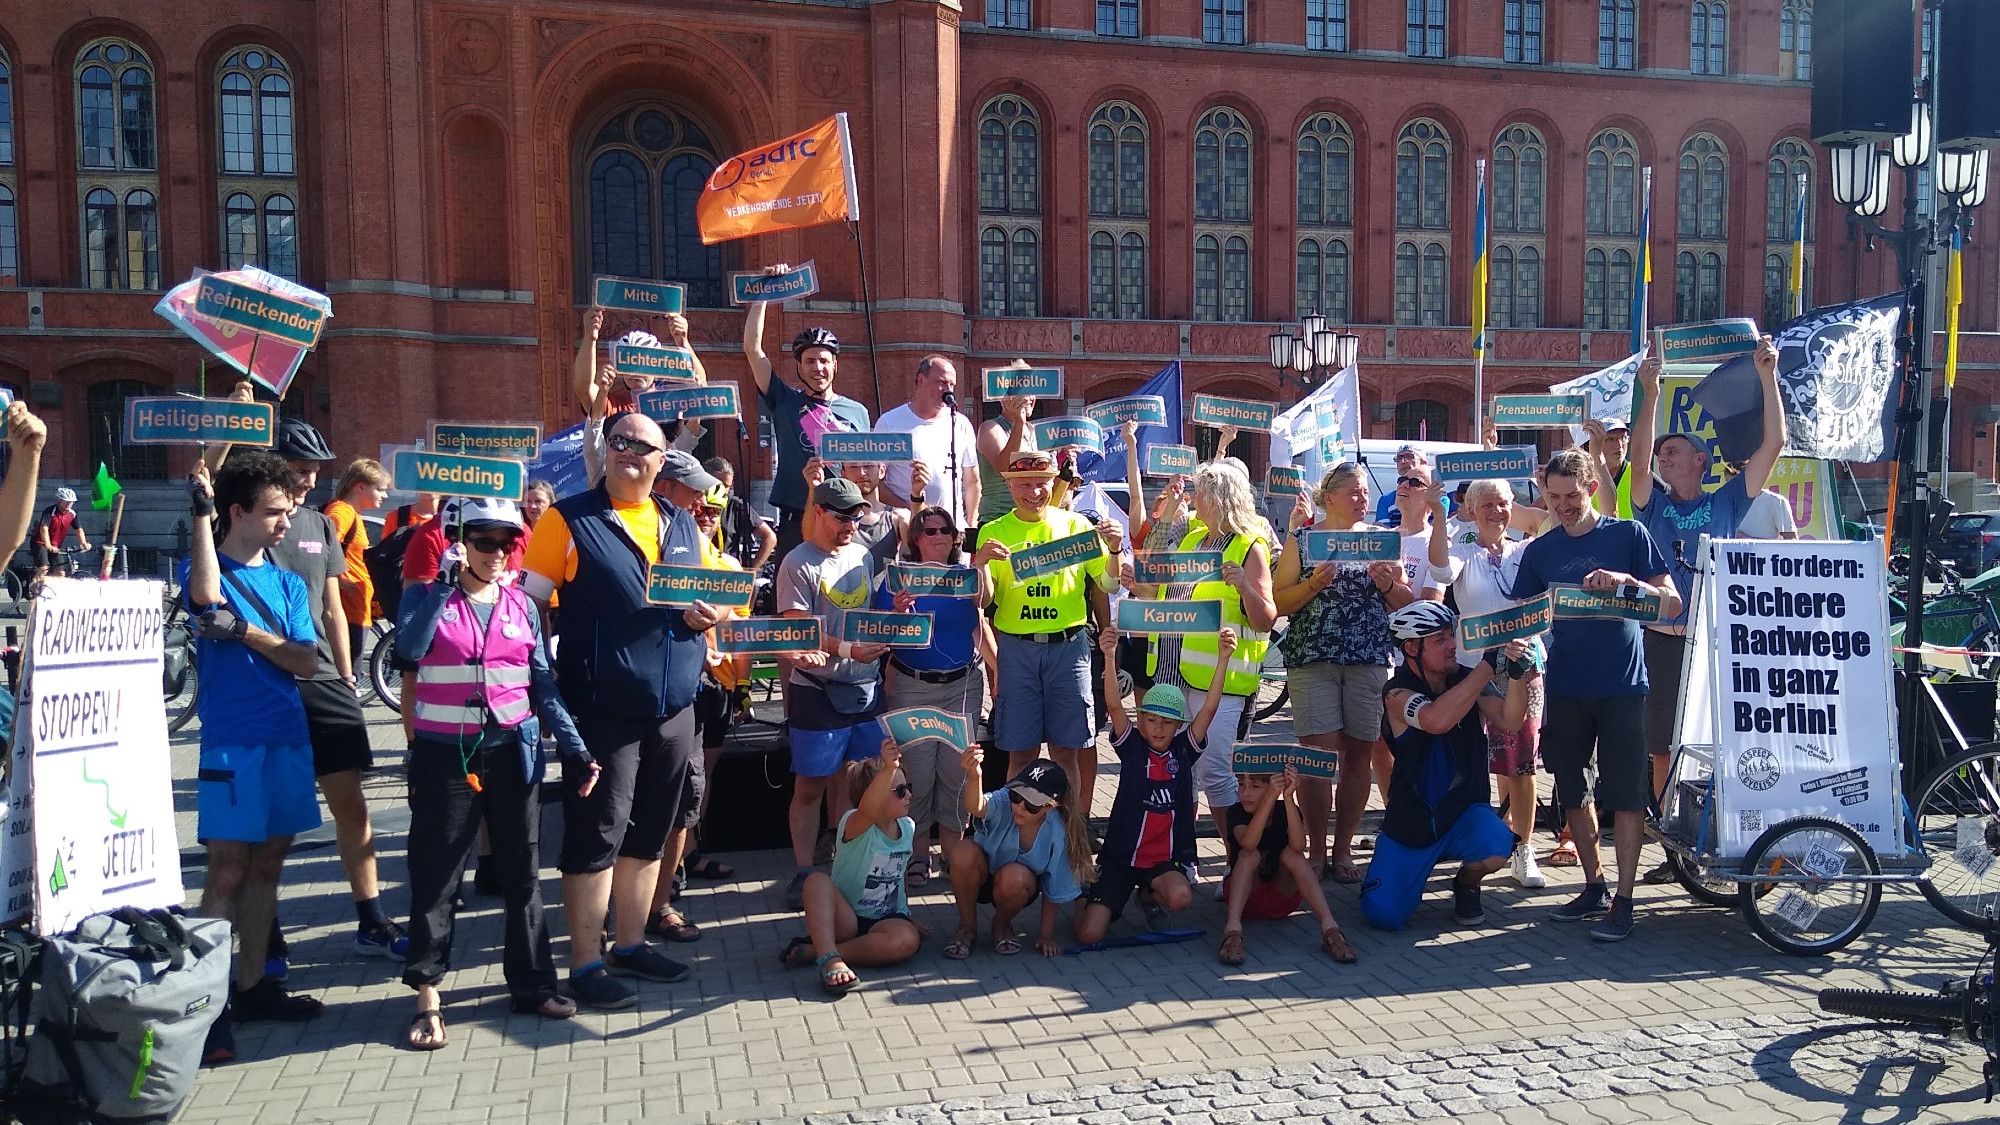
(1116, 882)
(1330, 698)
(986, 892)
(863, 925)
(650, 786)
(1664, 652)
(1215, 770)
(336, 726)
(1394, 884)
(823, 739)
(711, 714)
(1266, 903)
(251, 794)
(1612, 732)
(1044, 695)
(1511, 753)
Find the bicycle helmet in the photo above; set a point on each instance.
(66, 494)
(815, 338)
(637, 339)
(475, 514)
(1420, 619)
(448, 516)
(298, 440)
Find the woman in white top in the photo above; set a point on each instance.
(1480, 573)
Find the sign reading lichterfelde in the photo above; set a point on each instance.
(1057, 554)
(627, 294)
(1073, 433)
(1530, 412)
(1218, 411)
(1491, 630)
(879, 447)
(1034, 382)
(1144, 615)
(933, 580)
(710, 400)
(488, 439)
(1622, 604)
(654, 363)
(173, 420)
(917, 724)
(799, 281)
(1161, 568)
(1171, 460)
(686, 585)
(1147, 410)
(1515, 462)
(763, 636)
(455, 474)
(1351, 547)
(1310, 761)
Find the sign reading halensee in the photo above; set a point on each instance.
(1147, 410)
(174, 420)
(685, 585)
(1623, 604)
(1491, 630)
(627, 294)
(1161, 568)
(1310, 761)
(266, 314)
(1515, 462)
(1145, 615)
(886, 627)
(1218, 411)
(1352, 547)
(933, 580)
(1075, 433)
(762, 636)
(1057, 554)
(456, 474)
(799, 281)
(917, 724)
(1530, 412)
(655, 363)
(488, 439)
(881, 447)
(1171, 460)
(712, 400)
(1034, 382)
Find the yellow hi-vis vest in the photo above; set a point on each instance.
(1200, 650)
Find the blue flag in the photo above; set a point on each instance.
(1111, 465)
(560, 461)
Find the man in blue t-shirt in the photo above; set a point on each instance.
(1596, 680)
(255, 783)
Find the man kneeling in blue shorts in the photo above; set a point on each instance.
(1440, 801)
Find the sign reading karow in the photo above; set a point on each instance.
(799, 281)
(627, 294)
(1310, 761)
(654, 363)
(1034, 382)
(1076, 433)
(488, 439)
(1531, 412)
(877, 447)
(1171, 460)
(456, 474)
(1284, 481)
(1711, 342)
(1352, 547)
(1055, 555)
(710, 400)
(1243, 413)
(1492, 630)
(918, 724)
(1515, 462)
(178, 421)
(266, 314)
(936, 581)
(1623, 604)
(1145, 615)
(1147, 410)
(686, 585)
(762, 636)
(1160, 568)
(885, 627)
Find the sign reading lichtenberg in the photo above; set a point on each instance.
(1713, 341)
(1171, 460)
(178, 421)
(1162, 568)
(1243, 413)
(1077, 433)
(881, 447)
(266, 314)
(1491, 630)
(1310, 761)
(654, 363)
(455, 474)
(1145, 615)
(1058, 554)
(1352, 547)
(713, 400)
(1034, 382)
(1147, 410)
(799, 281)
(488, 439)
(1623, 604)
(627, 294)
(918, 724)
(756, 636)
(884, 627)
(1531, 412)
(686, 585)
(1284, 481)
(1515, 462)
(935, 581)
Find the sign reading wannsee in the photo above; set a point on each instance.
(799, 281)
(1352, 547)
(266, 314)
(1528, 412)
(654, 363)
(173, 420)
(488, 439)
(713, 400)
(1034, 382)
(1515, 462)
(1078, 433)
(874, 446)
(627, 294)
(686, 585)
(455, 474)
(761, 636)
(1245, 414)
(1145, 615)
(1492, 630)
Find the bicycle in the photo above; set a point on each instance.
(179, 674)
(383, 675)
(1954, 619)
(1965, 1008)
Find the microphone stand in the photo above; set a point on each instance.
(956, 498)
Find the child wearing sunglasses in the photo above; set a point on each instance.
(1028, 840)
(859, 914)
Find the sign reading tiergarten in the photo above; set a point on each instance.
(713, 400)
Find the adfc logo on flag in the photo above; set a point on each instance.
(800, 181)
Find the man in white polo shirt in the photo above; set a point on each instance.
(944, 441)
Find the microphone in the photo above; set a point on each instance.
(950, 399)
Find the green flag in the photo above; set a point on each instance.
(103, 489)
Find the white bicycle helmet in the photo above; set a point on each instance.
(66, 494)
(637, 339)
(474, 514)
(1420, 619)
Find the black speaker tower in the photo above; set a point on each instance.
(1863, 72)
(1968, 83)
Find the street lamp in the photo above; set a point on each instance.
(1877, 199)
(1315, 348)
(1852, 169)
(1913, 149)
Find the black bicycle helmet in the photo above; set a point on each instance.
(815, 338)
(298, 440)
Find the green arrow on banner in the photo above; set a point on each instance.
(58, 878)
(117, 818)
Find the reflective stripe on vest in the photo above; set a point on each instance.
(465, 679)
(1199, 651)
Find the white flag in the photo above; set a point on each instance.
(1322, 430)
(1608, 393)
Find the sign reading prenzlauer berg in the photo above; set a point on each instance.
(266, 314)
(748, 286)
(886, 627)
(657, 363)
(628, 294)
(883, 447)
(1162, 568)
(488, 439)
(712, 400)
(1171, 460)
(455, 474)
(1492, 630)
(685, 585)
(1146, 615)
(1529, 412)
(1057, 554)
(761, 636)
(1218, 411)
(173, 420)
(1034, 382)
(1514, 462)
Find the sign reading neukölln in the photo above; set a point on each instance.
(1518, 623)
(711, 400)
(1529, 412)
(685, 585)
(172, 420)
(1217, 411)
(456, 474)
(488, 439)
(875, 446)
(792, 284)
(1310, 761)
(1146, 615)
(1034, 382)
(628, 294)
(762, 636)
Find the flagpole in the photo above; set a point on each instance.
(867, 312)
(1799, 254)
(1643, 283)
(1479, 280)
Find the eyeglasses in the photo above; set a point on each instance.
(490, 544)
(935, 530)
(622, 444)
(1015, 796)
(903, 790)
(705, 510)
(843, 517)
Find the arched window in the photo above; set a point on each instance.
(1702, 200)
(1118, 225)
(10, 230)
(643, 171)
(1423, 155)
(1795, 35)
(1611, 229)
(258, 162)
(1421, 419)
(1420, 283)
(1790, 166)
(1518, 159)
(1326, 173)
(1617, 34)
(1518, 220)
(1708, 37)
(1522, 41)
(1222, 216)
(104, 407)
(1010, 203)
(117, 159)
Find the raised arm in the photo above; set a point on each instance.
(28, 436)
(214, 455)
(583, 369)
(974, 797)
(873, 807)
(1114, 701)
(1135, 479)
(677, 335)
(1225, 647)
(753, 337)
(1646, 400)
(1757, 470)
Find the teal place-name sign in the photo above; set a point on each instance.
(924, 579)
(1148, 615)
(713, 400)
(628, 294)
(488, 439)
(1243, 413)
(1163, 568)
(458, 474)
(1333, 450)
(1491, 630)
(1171, 460)
(1147, 410)
(752, 286)
(172, 420)
(885, 627)
(1713, 340)
(1531, 412)
(1282, 480)
(654, 363)
(880, 447)
(685, 585)
(1055, 555)
(1515, 462)
(1573, 602)
(1034, 382)
(1076, 433)
(758, 636)
(1352, 547)
(919, 724)
(266, 314)
(1310, 761)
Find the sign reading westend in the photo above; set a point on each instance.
(1243, 413)
(455, 474)
(686, 585)
(1575, 601)
(936, 581)
(1057, 554)
(488, 439)
(1710, 342)
(761, 636)
(627, 294)
(710, 400)
(1162, 568)
(1352, 547)
(1034, 382)
(266, 314)
(876, 446)
(1146, 615)
(1534, 412)
(654, 363)
(1491, 630)
(1171, 460)
(1078, 433)
(799, 281)
(918, 724)
(1310, 761)
(886, 627)
(173, 420)
(1283, 480)
(1147, 410)
(1515, 462)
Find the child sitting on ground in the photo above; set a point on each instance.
(1028, 839)
(1149, 843)
(860, 914)
(1271, 876)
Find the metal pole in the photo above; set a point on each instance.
(867, 313)
(1913, 246)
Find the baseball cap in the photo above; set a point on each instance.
(839, 493)
(1041, 783)
(1409, 449)
(682, 467)
(1029, 464)
(1166, 701)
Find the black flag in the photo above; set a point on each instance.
(1836, 378)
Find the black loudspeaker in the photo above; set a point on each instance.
(1968, 84)
(1863, 76)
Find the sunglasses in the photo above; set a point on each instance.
(1015, 796)
(903, 790)
(1412, 482)
(490, 544)
(843, 517)
(935, 530)
(622, 444)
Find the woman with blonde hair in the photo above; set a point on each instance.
(362, 488)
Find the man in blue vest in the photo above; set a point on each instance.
(628, 671)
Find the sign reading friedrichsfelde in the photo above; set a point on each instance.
(1491, 630)
(1515, 462)
(1057, 554)
(1164, 568)
(1351, 547)
(1711, 342)
(1075, 433)
(1623, 604)
(880, 447)
(1310, 761)
(886, 627)
(266, 314)
(761, 636)
(1034, 382)
(173, 420)
(488, 439)
(711, 400)
(627, 294)
(654, 363)
(936, 581)
(749, 286)
(1283, 480)
(1530, 412)
(1147, 410)
(686, 585)
(456, 474)
(1171, 460)
(917, 724)
(1218, 411)
(1147, 615)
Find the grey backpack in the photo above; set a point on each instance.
(123, 1009)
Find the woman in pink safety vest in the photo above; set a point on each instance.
(483, 690)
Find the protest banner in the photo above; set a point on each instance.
(800, 181)
(912, 725)
(763, 636)
(1514, 462)
(1518, 623)
(1534, 412)
(886, 627)
(1034, 382)
(1147, 410)
(456, 474)
(1217, 411)
(173, 420)
(1806, 483)
(629, 294)
(1708, 342)
(654, 363)
(667, 584)
(488, 439)
(1163, 568)
(748, 286)
(1147, 615)
(706, 400)
(1270, 758)
(226, 301)
(268, 360)
(1071, 433)
(1351, 547)
(1171, 460)
(933, 580)
(1626, 603)
(1281, 480)
(1057, 554)
(879, 447)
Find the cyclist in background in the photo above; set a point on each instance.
(53, 528)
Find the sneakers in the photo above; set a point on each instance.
(1594, 901)
(647, 963)
(1659, 876)
(1617, 925)
(1526, 871)
(268, 1000)
(597, 989)
(1465, 906)
(385, 940)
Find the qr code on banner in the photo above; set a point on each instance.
(1750, 820)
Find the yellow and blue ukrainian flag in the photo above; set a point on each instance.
(1479, 268)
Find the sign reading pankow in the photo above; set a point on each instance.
(1533, 412)
(173, 420)
(654, 363)
(918, 724)
(685, 585)
(1055, 555)
(626, 294)
(1034, 382)
(1518, 623)
(456, 474)
(1351, 547)
(488, 439)
(886, 627)
(762, 636)
(881, 447)
(1145, 615)
(711, 400)
(799, 281)
(1171, 460)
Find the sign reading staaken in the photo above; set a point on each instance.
(1171, 460)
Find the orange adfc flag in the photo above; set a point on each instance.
(801, 181)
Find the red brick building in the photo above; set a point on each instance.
(1108, 185)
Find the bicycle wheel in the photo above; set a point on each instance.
(1824, 912)
(1984, 659)
(180, 678)
(1958, 825)
(10, 592)
(383, 673)
(1695, 878)
(1271, 690)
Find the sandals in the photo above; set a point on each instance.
(1231, 950)
(1565, 853)
(1342, 871)
(918, 872)
(680, 929)
(835, 981)
(702, 867)
(1007, 945)
(960, 945)
(1334, 943)
(798, 953)
(550, 1005)
(426, 1031)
